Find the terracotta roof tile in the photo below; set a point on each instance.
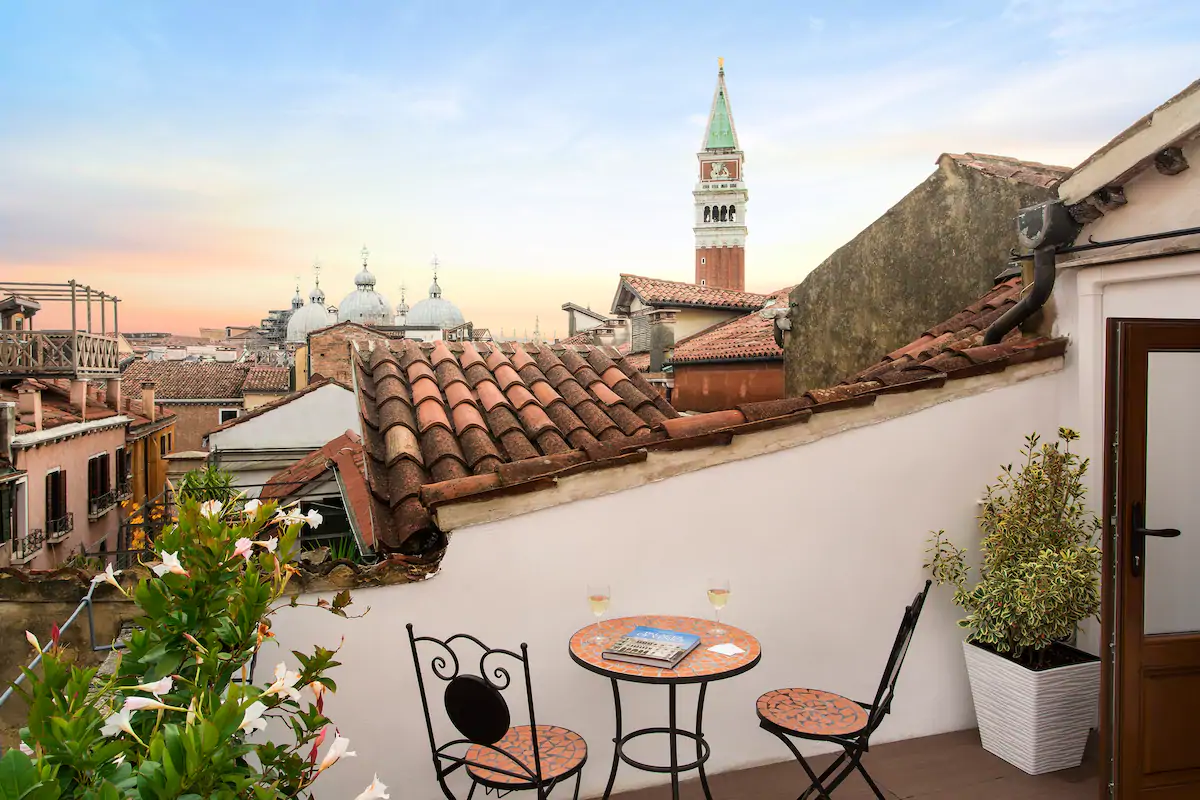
(304, 471)
(1029, 172)
(662, 293)
(742, 338)
(423, 425)
(263, 378)
(612, 435)
(187, 380)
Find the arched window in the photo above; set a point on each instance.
(733, 213)
(707, 214)
(724, 213)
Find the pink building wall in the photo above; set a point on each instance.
(72, 456)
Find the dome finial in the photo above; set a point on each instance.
(365, 253)
(317, 271)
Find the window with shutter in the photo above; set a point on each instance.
(640, 335)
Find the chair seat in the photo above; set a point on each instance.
(561, 752)
(812, 712)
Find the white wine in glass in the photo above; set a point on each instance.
(598, 598)
(718, 596)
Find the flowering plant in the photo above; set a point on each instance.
(1041, 569)
(177, 717)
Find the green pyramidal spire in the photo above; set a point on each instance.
(720, 133)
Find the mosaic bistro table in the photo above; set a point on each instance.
(700, 667)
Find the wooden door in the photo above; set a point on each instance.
(1152, 560)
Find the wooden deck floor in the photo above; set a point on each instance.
(947, 767)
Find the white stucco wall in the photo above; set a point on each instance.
(823, 544)
(1086, 297)
(307, 422)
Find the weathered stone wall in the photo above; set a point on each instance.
(193, 421)
(929, 256)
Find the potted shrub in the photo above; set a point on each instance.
(1035, 696)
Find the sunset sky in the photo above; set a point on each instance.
(193, 158)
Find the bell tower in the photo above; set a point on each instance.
(720, 198)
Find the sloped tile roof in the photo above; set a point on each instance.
(746, 337)
(56, 405)
(263, 378)
(658, 292)
(949, 351)
(639, 361)
(1029, 172)
(304, 471)
(464, 411)
(175, 380)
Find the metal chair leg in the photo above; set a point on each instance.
(578, 779)
(815, 781)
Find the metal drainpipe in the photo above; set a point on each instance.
(1044, 273)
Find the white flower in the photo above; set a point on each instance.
(210, 508)
(252, 720)
(252, 506)
(191, 712)
(292, 517)
(170, 563)
(118, 722)
(142, 703)
(26, 749)
(157, 688)
(119, 760)
(375, 791)
(313, 518)
(285, 682)
(242, 547)
(336, 751)
(108, 576)
(29, 637)
(269, 545)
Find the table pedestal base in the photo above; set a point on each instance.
(673, 732)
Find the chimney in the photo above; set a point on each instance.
(8, 429)
(148, 409)
(29, 400)
(620, 326)
(662, 337)
(112, 394)
(79, 391)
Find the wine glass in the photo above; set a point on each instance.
(718, 596)
(598, 598)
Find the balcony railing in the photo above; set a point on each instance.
(70, 354)
(57, 529)
(125, 488)
(28, 545)
(100, 505)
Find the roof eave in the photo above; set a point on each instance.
(1134, 149)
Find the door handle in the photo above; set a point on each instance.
(1138, 534)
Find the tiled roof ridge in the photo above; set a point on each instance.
(969, 154)
(953, 351)
(687, 284)
(1007, 168)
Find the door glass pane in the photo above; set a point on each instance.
(1172, 590)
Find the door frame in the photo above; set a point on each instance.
(1114, 549)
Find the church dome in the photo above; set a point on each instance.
(435, 312)
(308, 319)
(365, 305)
(297, 300)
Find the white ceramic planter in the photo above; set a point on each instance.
(1036, 721)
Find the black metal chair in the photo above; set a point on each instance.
(497, 755)
(828, 717)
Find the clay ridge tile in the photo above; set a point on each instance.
(457, 394)
(441, 354)
(432, 412)
(506, 376)
(490, 396)
(394, 411)
(401, 443)
(425, 388)
(520, 397)
(469, 356)
(605, 394)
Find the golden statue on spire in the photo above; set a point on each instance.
(721, 64)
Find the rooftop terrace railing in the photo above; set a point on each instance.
(58, 354)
